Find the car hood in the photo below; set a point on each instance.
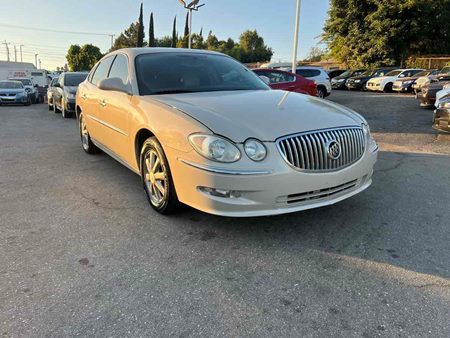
(11, 91)
(262, 114)
(360, 77)
(405, 79)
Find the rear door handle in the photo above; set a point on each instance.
(102, 103)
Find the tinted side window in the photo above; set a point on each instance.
(119, 68)
(308, 72)
(102, 71)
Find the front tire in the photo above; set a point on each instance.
(157, 178)
(64, 113)
(388, 87)
(88, 146)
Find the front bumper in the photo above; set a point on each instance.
(401, 88)
(441, 119)
(373, 86)
(70, 105)
(271, 187)
(13, 99)
(355, 85)
(426, 98)
(338, 85)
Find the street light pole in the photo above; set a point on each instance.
(190, 28)
(21, 60)
(297, 24)
(35, 59)
(193, 6)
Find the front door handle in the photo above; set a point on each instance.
(84, 97)
(102, 103)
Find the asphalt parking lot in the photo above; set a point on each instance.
(82, 254)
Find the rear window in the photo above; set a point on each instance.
(308, 72)
(73, 80)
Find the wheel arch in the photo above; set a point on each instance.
(141, 136)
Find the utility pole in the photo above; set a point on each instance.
(15, 53)
(112, 40)
(21, 60)
(35, 59)
(7, 50)
(40, 64)
(193, 6)
(297, 24)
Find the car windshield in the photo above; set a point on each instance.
(73, 80)
(346, 73)
(25, 82)
(423, 73)
(445, 70)
(169, 73)
(10, 85)
(367, 73)
(394, 73)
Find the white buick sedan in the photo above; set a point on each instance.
(202, 129)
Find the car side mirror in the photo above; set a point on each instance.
(265, 79)
(114, 84)
(57, 85)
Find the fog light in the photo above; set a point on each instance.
(220, 192)
(373, 146)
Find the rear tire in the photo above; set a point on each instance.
(55, 108)
(157, 178)
(321, 92)
(88, 146)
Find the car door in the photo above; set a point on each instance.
(90, 96)
(58, 91)
(114, 110)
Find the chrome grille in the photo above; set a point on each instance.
(309, 151)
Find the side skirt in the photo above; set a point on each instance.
(114, 155)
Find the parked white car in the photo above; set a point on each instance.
(318, 75)
(385, 83)
(440, 94)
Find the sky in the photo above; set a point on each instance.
(274, 20)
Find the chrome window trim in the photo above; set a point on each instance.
(216, 170)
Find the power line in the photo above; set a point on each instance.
(53, 30)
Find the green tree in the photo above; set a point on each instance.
(212, 43)
(83, 58)
(128, 38)
(151, 33)
(186, 25)
(315, 54)
(165, 41)
(140, 35)
(253, 48)
(174, 33)
(375, 32)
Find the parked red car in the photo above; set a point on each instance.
(287, 81)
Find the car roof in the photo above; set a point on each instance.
(133, 52)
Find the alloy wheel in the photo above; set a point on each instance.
(155, 177)
(84, 134)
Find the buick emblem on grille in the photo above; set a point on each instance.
(334, 150)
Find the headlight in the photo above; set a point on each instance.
(70, 95)
(357, 81)
(255, 150)
(445, 104)
(373, 146)
(341, 80)
(407, 82)
(215, 148)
